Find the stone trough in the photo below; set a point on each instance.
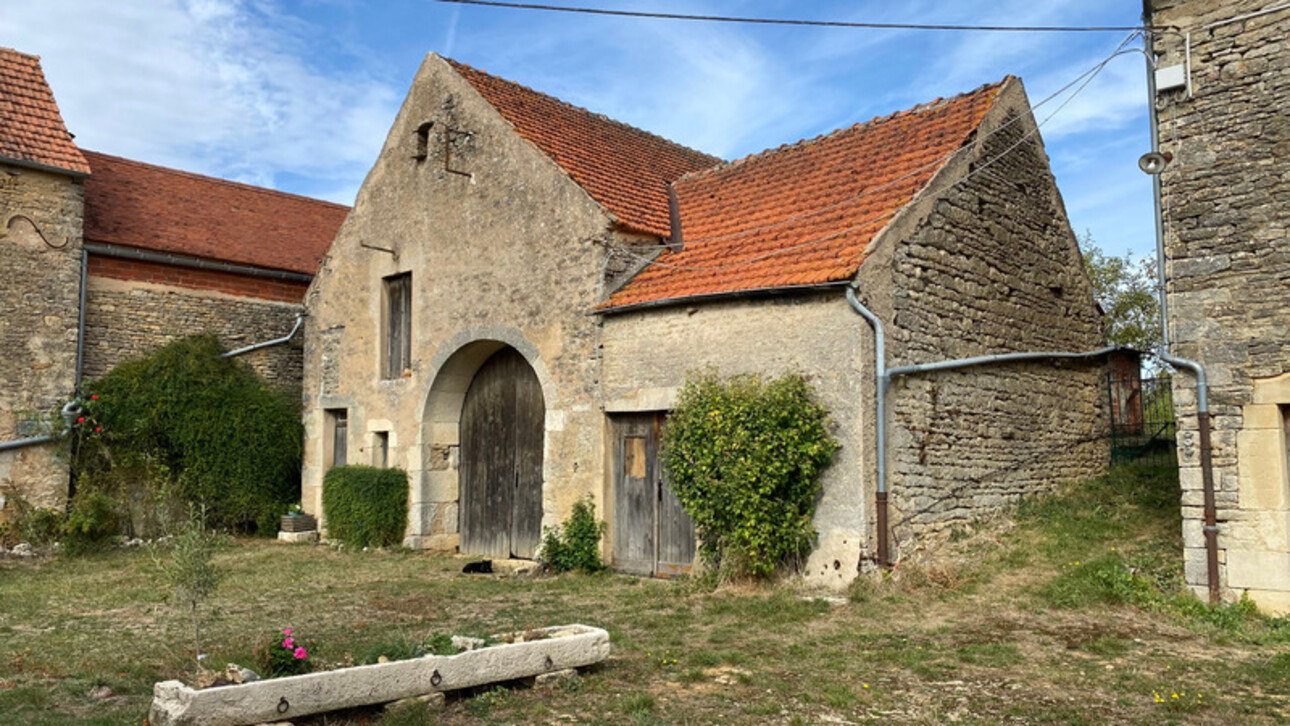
(279, 699)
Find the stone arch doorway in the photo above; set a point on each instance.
(500, 472)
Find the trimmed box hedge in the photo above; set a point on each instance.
(365, 506)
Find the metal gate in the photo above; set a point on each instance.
(1143, 425)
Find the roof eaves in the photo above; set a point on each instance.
(29, 164)
(603, 309)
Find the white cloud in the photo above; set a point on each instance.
(221, 87)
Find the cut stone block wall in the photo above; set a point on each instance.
(39, 289)
(1227, 232)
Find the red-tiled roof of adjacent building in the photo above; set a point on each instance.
(804, 214)
(31, 127)
(623, 168)
(154, 208)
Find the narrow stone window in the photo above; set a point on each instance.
(423, 141)
(396, 352)
(381, 449)
(337, 435)
(1285, 436)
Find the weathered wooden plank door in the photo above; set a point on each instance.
(652, 533)
(500, 476)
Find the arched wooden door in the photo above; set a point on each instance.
(502, 423)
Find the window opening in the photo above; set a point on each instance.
(381, 451)
(338, 420)
(397, 353)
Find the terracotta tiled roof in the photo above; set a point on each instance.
(623, 168)
(804, 214)
(31, 127)
(154, 208)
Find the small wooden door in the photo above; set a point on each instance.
(500, 477)
(652, 533)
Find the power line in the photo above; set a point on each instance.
(801, 22)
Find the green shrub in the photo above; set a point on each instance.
(93, 519)
(197, 427)
(366, 506)
(43, 527)
(744, 457)
(575, 545)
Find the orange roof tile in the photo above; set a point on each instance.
(154, 208)
(31, 127)
(623, 168)
(804, 214)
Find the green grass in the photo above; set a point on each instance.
(1004, 627)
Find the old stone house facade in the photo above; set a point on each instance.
(1226, 196)
(104, 258)
(516, 298)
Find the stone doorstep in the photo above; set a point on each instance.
(310, 536)
(275, 699)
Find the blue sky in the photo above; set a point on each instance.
(299, 94)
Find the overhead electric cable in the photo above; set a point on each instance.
(802, 22)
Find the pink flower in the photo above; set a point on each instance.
(301, 654)
(286, 632)
(95, 397)
(289, 643)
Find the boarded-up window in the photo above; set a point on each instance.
(381, 449)
(398, 326)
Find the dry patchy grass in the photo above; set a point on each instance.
(972, 636)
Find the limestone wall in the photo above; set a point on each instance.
(648, 353)
(1227, 196)
(39, 288)
(510, 252)
(989, 264)
(128, 318)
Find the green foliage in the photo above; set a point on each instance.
(366, 506)
(575, 545)
(196, 427)
(43, 527)
(744, 457)
(1125, 288)
(190, 570)
(91, 521)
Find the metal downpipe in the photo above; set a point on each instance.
(68, 412)
(1210, 527)
(300, 318)
(880, 407)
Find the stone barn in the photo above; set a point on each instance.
(1226, 200)
(522, 286)
(104, 258)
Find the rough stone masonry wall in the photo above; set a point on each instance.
(994, 268)
(127, 319)
(1227, 201)
(39, 288)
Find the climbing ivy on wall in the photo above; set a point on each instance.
(186, 426)
(744, 456)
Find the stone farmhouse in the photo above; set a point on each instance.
(512, 305)
(1226, 200)
(103, 258)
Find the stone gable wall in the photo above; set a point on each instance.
(510, 251)
(1227, 196)
(39, 290)
(992, 267)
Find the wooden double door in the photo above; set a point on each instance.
(500, 475)
(653, 535)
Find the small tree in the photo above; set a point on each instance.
(744, 457)
(1126, 289)
(190, 570)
